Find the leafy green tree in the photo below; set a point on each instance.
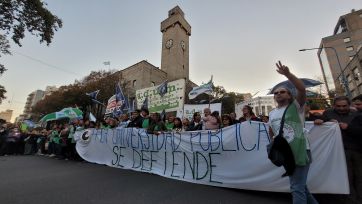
(75, 94)
(20, 16)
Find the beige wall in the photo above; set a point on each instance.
(141, 75)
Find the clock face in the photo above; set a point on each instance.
(183, 45)
(169, 43)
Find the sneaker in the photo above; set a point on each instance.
(52, 155)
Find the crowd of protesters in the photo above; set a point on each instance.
(57, 140)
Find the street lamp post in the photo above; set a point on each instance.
(344, 79)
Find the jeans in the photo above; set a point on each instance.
(298, 186)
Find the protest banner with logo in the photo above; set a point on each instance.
(172, 100)
(233, 157)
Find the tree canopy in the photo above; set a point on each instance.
(20, 16)
(75, 94)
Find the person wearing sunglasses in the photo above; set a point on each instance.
(293, 132)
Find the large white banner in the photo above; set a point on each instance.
(173, 100)
(190, 109)
(231, 157)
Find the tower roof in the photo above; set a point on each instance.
(176, 10)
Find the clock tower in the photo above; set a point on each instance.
(175, 45)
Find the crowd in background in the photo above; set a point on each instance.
(57, 138)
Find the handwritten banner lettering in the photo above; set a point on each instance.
(232, 157)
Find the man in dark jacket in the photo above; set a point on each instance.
(354, 131)
(136, 119)
(348, 120)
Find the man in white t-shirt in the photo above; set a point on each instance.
(293, 132)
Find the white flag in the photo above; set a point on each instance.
(92, 118)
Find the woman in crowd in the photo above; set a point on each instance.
(177, 125)
(248, 114)
(226, 120)
(185, 124)
(196, 123)
(212, 121)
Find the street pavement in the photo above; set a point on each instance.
(39, 179)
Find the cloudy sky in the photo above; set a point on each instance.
(238, 42)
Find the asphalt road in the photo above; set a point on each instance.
(39, 179)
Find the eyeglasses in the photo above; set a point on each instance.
(280, 92)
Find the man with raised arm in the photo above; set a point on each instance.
(293, 132)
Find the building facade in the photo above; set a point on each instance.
(336, 51)
(353, 72)
(49, 90)
(32, 99)
(261, 104)
(6, 115)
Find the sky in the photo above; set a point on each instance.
(238, 42)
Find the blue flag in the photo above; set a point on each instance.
(162, 89)
(120, 99)
(93, 96)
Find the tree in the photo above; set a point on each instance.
(75, 94)
(19, 16)
(2, 93)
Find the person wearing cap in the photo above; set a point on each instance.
(294, 120)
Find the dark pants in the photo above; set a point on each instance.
(354, 167)
(51, 148)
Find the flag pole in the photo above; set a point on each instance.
(209, 99)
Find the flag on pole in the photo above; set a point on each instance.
(145, 104)
(93, 96)
(162, 89)
(107, 63)
(204, 88)
(92, 117)
(121, 100)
